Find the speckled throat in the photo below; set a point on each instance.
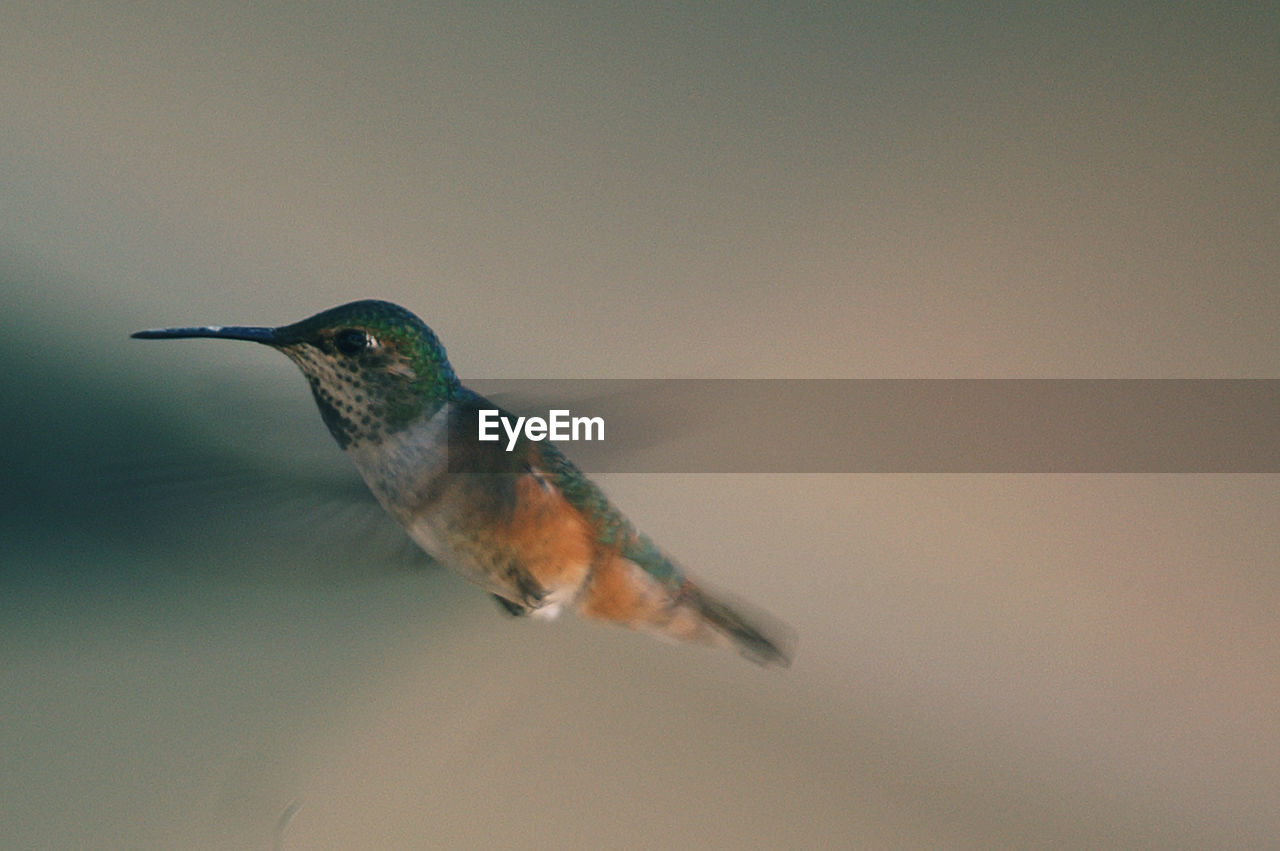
(361, 403)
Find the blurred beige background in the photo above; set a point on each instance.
(204, 630)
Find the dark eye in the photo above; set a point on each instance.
(352, 341)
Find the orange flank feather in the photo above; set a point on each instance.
(553, 539)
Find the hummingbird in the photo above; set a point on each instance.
(523, 523)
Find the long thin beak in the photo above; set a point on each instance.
(225, 332)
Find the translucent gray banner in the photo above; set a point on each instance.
(895, 425)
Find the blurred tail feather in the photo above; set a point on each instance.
(758, 637)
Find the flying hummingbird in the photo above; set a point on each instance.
(524, 524)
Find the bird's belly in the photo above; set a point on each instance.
(467, 553)
(535, 556)
(510, 534)
(441, 544)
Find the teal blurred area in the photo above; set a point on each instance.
(105, 453)
(213, 639)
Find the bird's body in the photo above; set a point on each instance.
(526, 524)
